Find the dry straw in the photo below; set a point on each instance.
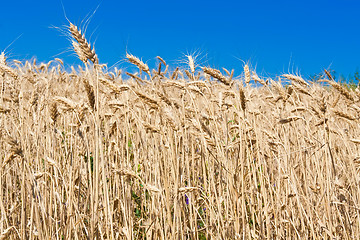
(6, 233)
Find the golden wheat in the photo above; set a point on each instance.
(136, 61)
(87, 154)
(216, 74)
(81, 46)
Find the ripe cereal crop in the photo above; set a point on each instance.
(174, 154)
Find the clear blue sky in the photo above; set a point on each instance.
(274, 36)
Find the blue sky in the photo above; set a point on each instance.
(275, 37)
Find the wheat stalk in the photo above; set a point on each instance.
(6, 233)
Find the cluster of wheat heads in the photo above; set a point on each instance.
(188, 153)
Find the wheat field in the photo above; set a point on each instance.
(174, 152)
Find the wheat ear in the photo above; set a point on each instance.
(216, 74)
(191, 63)
(256, 78)
(247, 74)
(161, 60)
(81, 46)
(6, 69)
(296, 79)
(2, 58)
(67, 103)
(140, 64)
(242, 98)
(114, 87)
(343, 115)
(90, 93)
(340, 89)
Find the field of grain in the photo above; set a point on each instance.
(185, 152)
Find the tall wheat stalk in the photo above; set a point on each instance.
(85, 53)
